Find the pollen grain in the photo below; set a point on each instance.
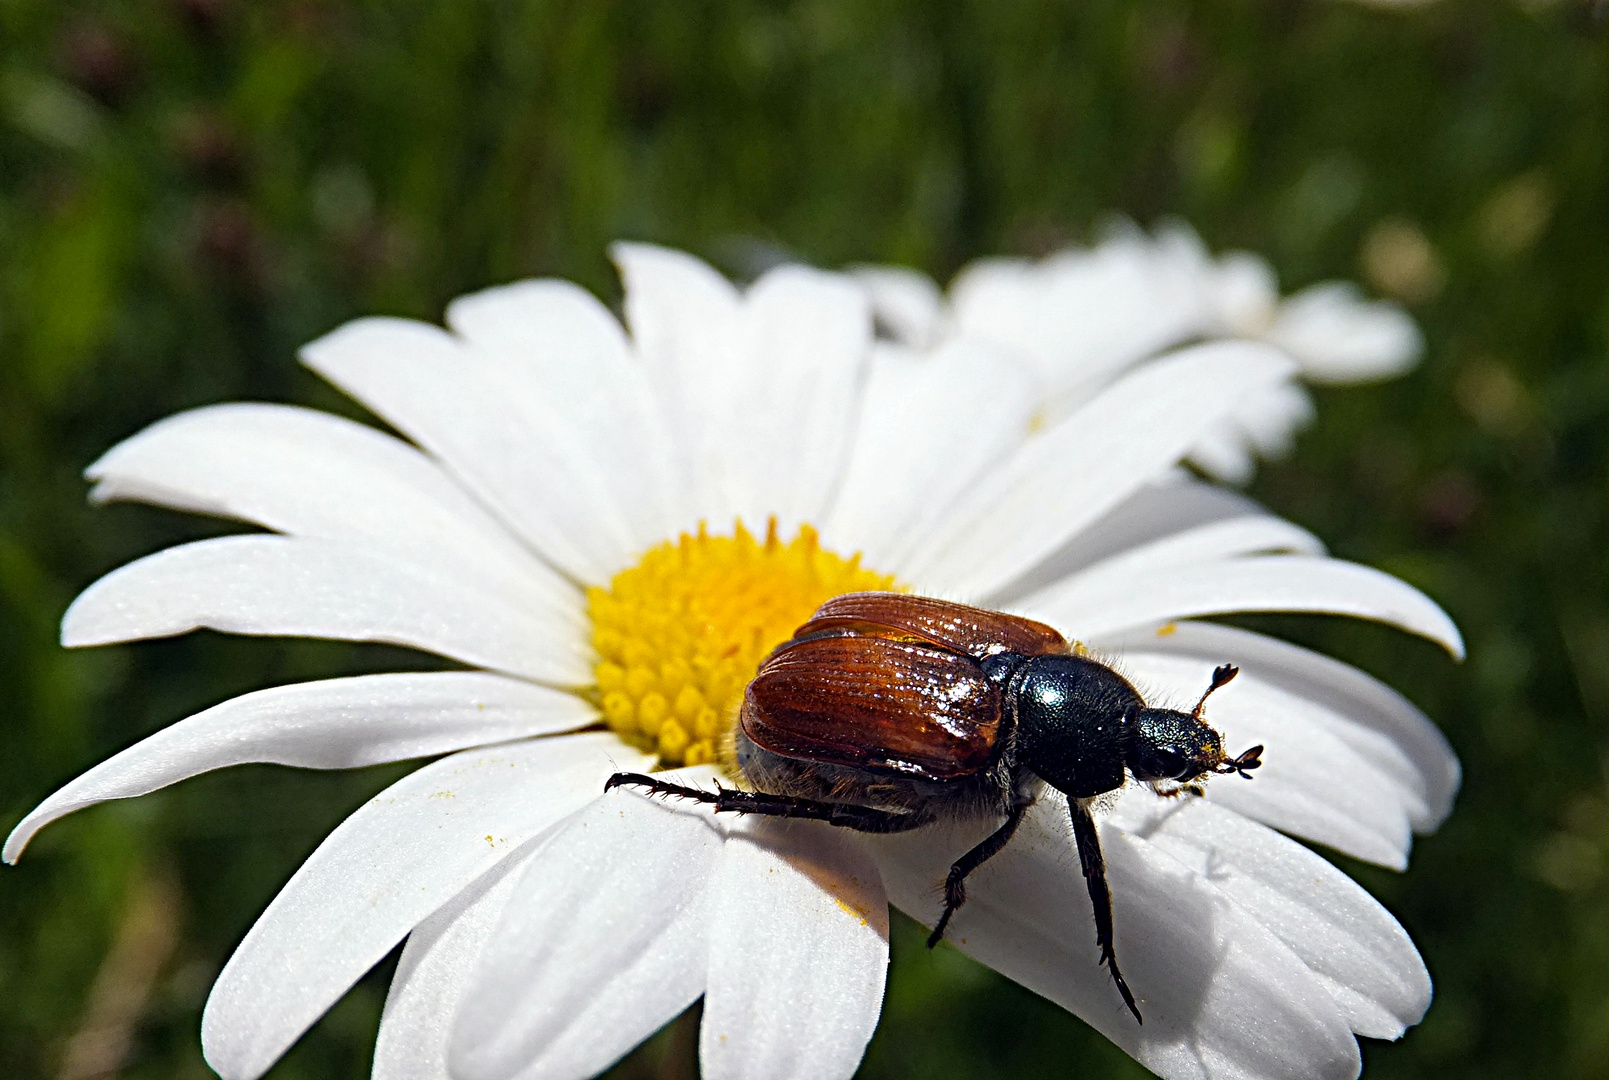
(680, 634)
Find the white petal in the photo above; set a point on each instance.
(925, 438)
(1221, 995)
(292, 587)
(334, 724)
(571, 365)
(1359, 709)
(798, 395)
(467, 411)
(907, 302)
(688, 326)
(1229, 526)
(1109, 604)
(1174, 504)
(1264, 424)
(1361, 954)
(311, 474)
(1355, 794)
(798, 955)
(763, 388)
(1244, 294)
(434, 973)
(1249, 534)
(1270, 420)
(402, 855)
(1339, 337)
(1083, 316)
(603, 942)
(1069, 477)
(1224, 455)
(1174, 241)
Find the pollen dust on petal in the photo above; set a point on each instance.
(681, 633)
(855, 911)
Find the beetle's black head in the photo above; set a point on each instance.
(1165, 744)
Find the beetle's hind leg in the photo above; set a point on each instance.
(1093, 864)
(844, 815)
(955, 888)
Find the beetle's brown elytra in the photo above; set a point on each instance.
(886, 712)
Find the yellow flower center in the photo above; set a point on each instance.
(680, 634)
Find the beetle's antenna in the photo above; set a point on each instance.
(1243, 764)
(1220, 676)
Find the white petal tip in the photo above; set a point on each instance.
(623, 252)
(1442, 810)
(76, 631)
(25, 830)
(226, 1071)
(1446, 634)
(1432, 624)
(225, 1048)
(18, 840)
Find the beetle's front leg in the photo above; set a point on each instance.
(1093, 864)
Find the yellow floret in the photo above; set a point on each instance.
(680, 634)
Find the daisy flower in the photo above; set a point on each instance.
(1081, 317)
(570, 522)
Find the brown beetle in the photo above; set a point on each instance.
(886, 712)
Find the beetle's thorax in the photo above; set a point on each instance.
(1070, 719)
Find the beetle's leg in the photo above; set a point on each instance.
(844, 815)
(955, 888)
(1093, 864)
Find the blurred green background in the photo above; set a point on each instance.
(189, 189)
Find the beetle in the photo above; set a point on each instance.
(887, 712)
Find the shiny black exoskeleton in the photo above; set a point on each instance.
(1079, 724)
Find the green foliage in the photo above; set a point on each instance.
(190, 189)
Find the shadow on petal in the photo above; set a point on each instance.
(1220, 994)
(824, 855)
